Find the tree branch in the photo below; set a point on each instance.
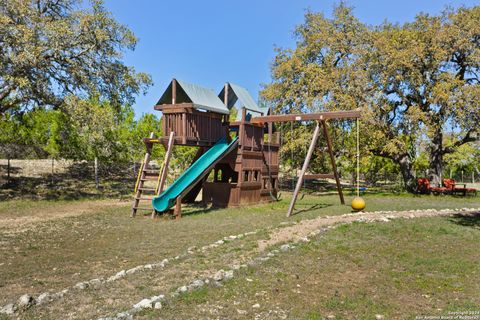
(466, 139)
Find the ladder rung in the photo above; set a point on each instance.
(149, 179)
(147, 189)
(151, 171)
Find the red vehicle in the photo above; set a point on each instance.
(449, 187)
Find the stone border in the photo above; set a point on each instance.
(26, 301)
(155, 302)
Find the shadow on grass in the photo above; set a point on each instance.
(198, 209)
(467, 219)
(311, 207)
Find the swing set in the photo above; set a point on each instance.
(245, 166)
(321, 124)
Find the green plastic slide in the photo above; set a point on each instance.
(193, 174)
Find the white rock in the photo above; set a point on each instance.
(95, 282)
(285, 247)
(157, 298)
(242, 312)
(25, 301)
(182, 289)
(219, 275)
(256, 305)
(220, 242)
(233, 237)
(228, 275)
(198, 283)
(158, 305)
(44, 297)
(379, 317)
(133, 270)
(8, 309)
(117, 276)
(148, 266)
(123, 315)
(144, 304)
(81, 286)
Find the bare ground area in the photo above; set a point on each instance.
(21, 221)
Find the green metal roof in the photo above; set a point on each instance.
(202, 98)
(238, 93)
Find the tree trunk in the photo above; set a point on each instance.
(436, 158)
(408, 174)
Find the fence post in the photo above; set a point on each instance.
(8, 170)
(96, 173)
(473, 176)
(53, 169)
(462, 176)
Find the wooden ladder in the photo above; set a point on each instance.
(147, 173)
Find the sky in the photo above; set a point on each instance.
(210, 42)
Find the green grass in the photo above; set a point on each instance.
(401, 269)
(101, 239)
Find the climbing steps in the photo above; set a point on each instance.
(150, 181)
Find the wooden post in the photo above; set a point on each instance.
(168, 155)
(241, 129)
(225, 95)
(304, 169)
(53, 170)
(96, 172)
(174, 91)
(332, 159)
(163, 173)
(178, 208)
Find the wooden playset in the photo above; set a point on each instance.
(243, 154)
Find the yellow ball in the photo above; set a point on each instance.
(358, 204)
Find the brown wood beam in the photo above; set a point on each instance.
(304, 169)
(319, 176)
(332, 159)
(164, 170)
(174, 91)
(351, 114)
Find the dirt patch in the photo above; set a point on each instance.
(26, 221)
(301, 230)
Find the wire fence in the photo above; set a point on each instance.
(68, 179)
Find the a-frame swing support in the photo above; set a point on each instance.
(306, 163)
(321, 119)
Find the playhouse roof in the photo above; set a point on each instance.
(238, 93)
(202, 98)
